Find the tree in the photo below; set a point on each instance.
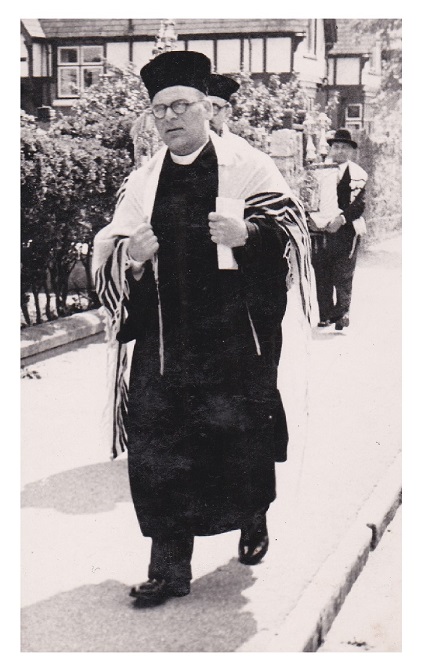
(381, 153)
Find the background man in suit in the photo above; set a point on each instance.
(335, 254)
(221, 88)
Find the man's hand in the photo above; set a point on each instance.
(142, 244)
(228, 231)
(335, 224)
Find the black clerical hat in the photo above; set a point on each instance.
(222, 86)
(343, 135)
(176, 68)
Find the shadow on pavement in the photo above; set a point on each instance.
(101, 618)
(90, 489)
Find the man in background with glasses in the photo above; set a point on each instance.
(221, 88)
(203, 421)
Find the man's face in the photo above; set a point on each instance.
(341, 152)
(183, 132)
(221, 111)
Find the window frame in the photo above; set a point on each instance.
(348, 117)
(60, 93)
(80, 66)
(354, 125)
(89, 68)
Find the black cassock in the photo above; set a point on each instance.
(204, 436)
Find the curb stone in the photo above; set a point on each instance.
(42, 338)
(306, 625)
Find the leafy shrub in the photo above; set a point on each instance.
(70, 175)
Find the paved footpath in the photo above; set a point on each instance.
(370, 619)
(81, 547)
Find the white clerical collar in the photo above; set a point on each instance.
(188, 158)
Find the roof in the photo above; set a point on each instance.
(33, 27)
(109, 28)
(350, 40)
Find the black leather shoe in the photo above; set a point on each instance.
(254, 542)
(154, 592)
(342, 323)
(324, 322)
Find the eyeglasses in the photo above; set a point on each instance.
(178, 107)
(217, 108)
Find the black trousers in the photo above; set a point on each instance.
(171, 557)
(334, 270)
(171, 560)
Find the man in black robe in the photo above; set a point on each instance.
(204, 421)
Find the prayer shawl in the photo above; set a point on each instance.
(358, 179)
(243, 173)
(238, 142)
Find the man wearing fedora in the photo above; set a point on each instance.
(202, 420)
(335, 249)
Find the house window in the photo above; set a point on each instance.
(312, 36)
(78, 68)
(356, 125)
(69, 83)
(354, 112)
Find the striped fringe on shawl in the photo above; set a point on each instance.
(113, 292)
(289, 214)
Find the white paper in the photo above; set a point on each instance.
(229, 207)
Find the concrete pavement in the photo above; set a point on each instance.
(370, 619)
(81, 547)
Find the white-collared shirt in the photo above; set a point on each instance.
(188, 158)
(341, 169)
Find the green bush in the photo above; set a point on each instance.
(68, 193)
(382, 160)
(70, 175)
